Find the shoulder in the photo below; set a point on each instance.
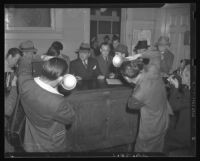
(98, 58)
(74, 61)
(65, 56)
(92, 60)
(169, 53)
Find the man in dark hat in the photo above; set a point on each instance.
(85, 67)
(141, 47)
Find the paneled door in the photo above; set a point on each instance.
(177, 27)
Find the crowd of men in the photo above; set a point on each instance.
(47, 111)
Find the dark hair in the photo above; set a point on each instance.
(106, 37)
(13, 52)
(115, 37)
(55, 48)
(104, 44)
(57, 45)
(54, 68)
(131, 69)
(53, 52)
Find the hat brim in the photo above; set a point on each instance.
(33, 50)
(138, 47)
(86, 50)
(157, 44)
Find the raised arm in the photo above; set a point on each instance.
(24, 72)
(136, 100)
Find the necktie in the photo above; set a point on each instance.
(85, 64)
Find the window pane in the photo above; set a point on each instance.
(116, 28)
(28, 17)
(104, 27)
(93, 28)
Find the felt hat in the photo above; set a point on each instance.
(27, 46)
(163, 40)
(141, 45)
(83, 47)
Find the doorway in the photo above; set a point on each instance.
(105, 21)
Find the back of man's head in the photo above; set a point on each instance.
(54, 68)
(13, 52)
(115, 37)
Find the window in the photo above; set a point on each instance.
(42, 23)
(104, 27)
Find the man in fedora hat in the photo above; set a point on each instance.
(85, 67)
(27, 47)
(167, 57)
(141, 46)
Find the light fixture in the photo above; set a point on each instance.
(103, 9)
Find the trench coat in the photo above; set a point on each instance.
(149, 96)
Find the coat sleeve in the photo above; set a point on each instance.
(10, 101)
(72, 69)
(136, 100)
(97, 71)
(170, 62)
(178, 100)
(65, 113)
(154, 57)
(24, 72)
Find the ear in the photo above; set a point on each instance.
(60, 78)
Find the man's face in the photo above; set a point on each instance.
(106, 40)
(12, 61)
(115, 43)
(105, 49)
(120, 54)
(141, 51)
(84, 54)
(162, 48)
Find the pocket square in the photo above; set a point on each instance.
(94, 67)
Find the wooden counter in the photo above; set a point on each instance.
(103, 119)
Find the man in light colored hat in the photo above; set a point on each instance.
(27, 47)
(85, 67)
(167, 57)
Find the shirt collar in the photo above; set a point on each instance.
(46, 86)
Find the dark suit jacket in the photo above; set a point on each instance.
(167, 62)
(105, 67)
(78, 69)
(46, 114)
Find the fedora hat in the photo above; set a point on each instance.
(141, 45)
(27, 46)
(163, 40)
(83, 47)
